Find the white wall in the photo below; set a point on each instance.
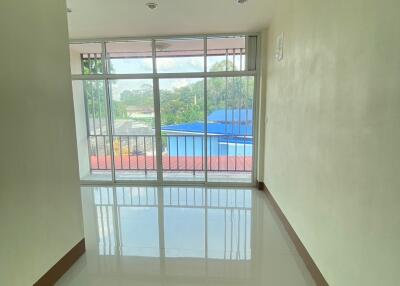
(40, 208)
(81, 128)
(333, 134)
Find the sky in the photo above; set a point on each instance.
(164, 65)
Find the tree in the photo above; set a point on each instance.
(95, 98)
(180, 105)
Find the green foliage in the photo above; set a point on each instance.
(142, 98)
(119, 110)
(180, 105)
(92, 66)
(95, 98)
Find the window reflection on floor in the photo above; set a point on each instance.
(169, 236)
(173, 222)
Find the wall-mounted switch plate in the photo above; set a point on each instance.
(279, 45)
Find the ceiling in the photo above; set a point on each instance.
(124, 18)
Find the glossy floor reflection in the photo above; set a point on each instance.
(183, 236)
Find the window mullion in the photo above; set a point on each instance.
(157, 115)
(205, 111)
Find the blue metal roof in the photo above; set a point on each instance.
(223, 115)
(213, 128)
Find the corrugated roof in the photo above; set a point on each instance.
(213, 128)
(223, 115)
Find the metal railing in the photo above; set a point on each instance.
(225, 153)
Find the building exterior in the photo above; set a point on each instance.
(230, 133)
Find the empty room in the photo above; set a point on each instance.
(191, 143)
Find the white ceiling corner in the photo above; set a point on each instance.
(124, 18)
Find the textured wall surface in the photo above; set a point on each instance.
(333, 134)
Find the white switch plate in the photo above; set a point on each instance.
(279, 45)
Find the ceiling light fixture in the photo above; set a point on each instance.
(152, 5)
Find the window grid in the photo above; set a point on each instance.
(93, 65)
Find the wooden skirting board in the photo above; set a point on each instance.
(62, 266)
(305, 256)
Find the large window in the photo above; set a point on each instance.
(172, 109)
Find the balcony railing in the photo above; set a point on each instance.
(225, 153)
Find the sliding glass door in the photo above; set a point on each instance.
(183, 129)
(133, 125)
(166, 109)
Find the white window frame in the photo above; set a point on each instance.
(106, 77)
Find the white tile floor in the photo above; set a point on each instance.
(184, 236)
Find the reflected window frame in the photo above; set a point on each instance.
(235, 205)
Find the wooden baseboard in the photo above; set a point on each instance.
(62, 266)
(305, 256)
(261, 186)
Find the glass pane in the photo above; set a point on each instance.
(226, 54)
(85, 58)
(92, 129)
(230, 128)
(180, 55)
(182, 128)
(129, 57)
(134, 141)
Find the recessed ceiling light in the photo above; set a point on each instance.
(152, 5)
